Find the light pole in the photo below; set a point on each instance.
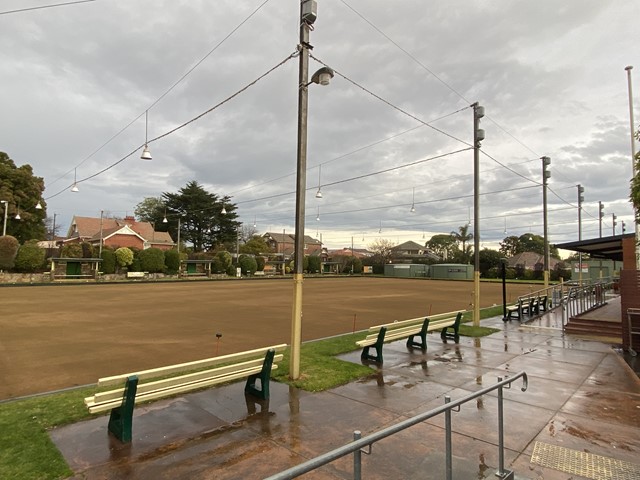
(478, 136)
(580, 200)
(4, 224)
(503, 269)
(546, 174)
(633, 157)
(308, 15)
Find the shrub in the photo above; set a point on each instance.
(172, 261)
(231, 270)
(30, 257)
(247, 264)
(352, 265)
(87, 250)
(71, 250)
(8, 250)
(151, 260)
(108, 265)
(225, 259)
(124, 257)
(260, 263)
(315, 263)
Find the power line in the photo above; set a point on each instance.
(45, 6)
(175, 84)
(173, 130)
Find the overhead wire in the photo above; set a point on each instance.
(41, 7)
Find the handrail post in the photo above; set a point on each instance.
(448, 453)
(502, 473)
(357, 458)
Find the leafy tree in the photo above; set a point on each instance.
(9, 246)
(22, 191)
(509, 247)
(315, 264)
(151, 260)
(108, 264)
(30, 257)
(172, 261)
(225, 259)
(352, 265)
(247, 264)
(72, 250)
(87, 250)
(202, 222)
(124, 257)
(261, 262)
(382, 250)
(255, 246)
(151, 209)
(463, 236)
(489, 259)
(442, 245)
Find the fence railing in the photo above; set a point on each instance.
(582, 298)
(359, 443)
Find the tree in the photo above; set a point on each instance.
(9, 246)
(124, 257)
(527, 242)
(635, 184)
(255, 245)
(108, 264)
(382, 250)
(509, 247)
(172, 261)
(260, 262)
(315, 264)
(151, 260)
(22, 191)
(151, 210)
(30, 257)
(489, 259)
(202, 222)
(463, 236)
(247, 264)
(352, 265)
(442, 245)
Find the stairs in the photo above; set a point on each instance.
(597, 328)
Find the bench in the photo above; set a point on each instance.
(137, 387)
(527, 305)
(136, 274)
(409, 329)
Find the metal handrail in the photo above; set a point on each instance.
(580, 299)
(359, 443)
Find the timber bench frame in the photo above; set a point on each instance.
(409, 329)
(137, 387)
(529, 306)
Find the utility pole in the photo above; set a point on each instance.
(546, 174)
(600, 217)
(580, 200)
(633, 160)
(478, 136)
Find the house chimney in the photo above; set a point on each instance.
(129, 219)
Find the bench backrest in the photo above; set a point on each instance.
(190, 366)
(417, 320)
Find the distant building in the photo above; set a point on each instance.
(348, 252)
(531, 261)
(115, 232)
(409, 252)
(284, 244)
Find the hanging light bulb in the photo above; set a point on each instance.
(17, 217)
(146, 154)
(224, 211)
(318, 216)
(74, 188)
(38, 205)
(413, 201)
(164, 219)
(254, 222)
(319, 192)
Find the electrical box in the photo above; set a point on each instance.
(309, 11)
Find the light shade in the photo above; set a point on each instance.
(38, 205)
(75, 188)
(319, 193)
(224, 211)
(18, 216)
(322, 76)
(146, 154)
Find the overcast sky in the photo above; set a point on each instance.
(550, 75)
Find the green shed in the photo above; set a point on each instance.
(452, 271)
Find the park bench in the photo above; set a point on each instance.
(527, 305)
(409, 329)
(137, 387)
(136, 274)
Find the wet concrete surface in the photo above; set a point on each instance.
(581, 395)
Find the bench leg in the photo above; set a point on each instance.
(423, 337)
(121, 418)
(264, 376)
(378, 346)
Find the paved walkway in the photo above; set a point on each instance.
(582, 397)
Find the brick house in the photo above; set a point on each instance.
(284, 244)
(116, 232)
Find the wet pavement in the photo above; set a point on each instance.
(582, 396)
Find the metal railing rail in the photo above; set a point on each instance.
(359, 443)
(580, 299)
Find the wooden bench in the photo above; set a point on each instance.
(409, 329)
(525, 306)
(136, 387)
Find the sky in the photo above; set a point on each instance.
(391, 131)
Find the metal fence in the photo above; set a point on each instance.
(359, 443)
(582, 298)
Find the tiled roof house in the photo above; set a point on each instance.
(118, 232)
